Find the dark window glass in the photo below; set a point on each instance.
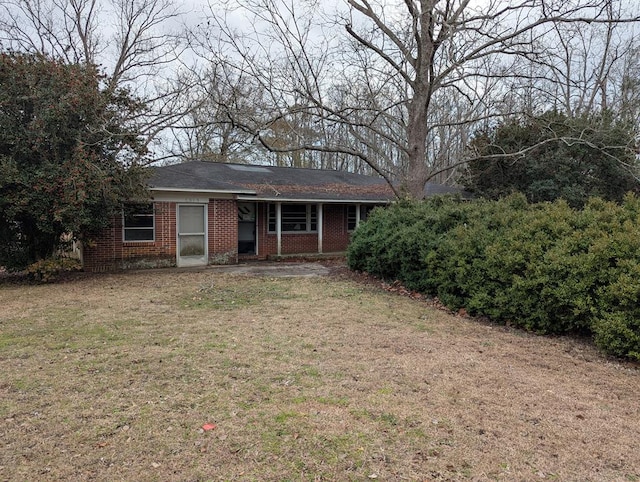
(139, 222)
(295, 218)
(272, 218)
(351, 218)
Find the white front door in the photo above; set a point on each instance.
(192, 234)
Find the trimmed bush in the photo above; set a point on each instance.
(618, 335)
(49, 269)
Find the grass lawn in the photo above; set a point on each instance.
(112, 377)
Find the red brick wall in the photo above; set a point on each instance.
(335, 237)
(110, 252)
(223, 231)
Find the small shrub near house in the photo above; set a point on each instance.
(545, 267)
(50, 269)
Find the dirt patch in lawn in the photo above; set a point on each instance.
(113, 377)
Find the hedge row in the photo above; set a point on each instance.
(544, 267)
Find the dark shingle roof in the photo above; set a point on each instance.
(269, 182)
(190, 176)
(433, 189)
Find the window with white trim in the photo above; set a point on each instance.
(138, 222)
(295, 218)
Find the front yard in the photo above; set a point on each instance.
(113, 377)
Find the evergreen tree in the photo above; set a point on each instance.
(554, 156)
(68, 161)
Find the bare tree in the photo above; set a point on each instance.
(403, 82)
(219, 106)
(579, 70)
(130, 39)
(626, 98)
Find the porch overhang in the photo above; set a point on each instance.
(280, 199)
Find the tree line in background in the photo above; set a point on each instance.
(403, 88)
(491, 94)
(557, 156)
(398, 88)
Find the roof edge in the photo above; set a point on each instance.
(209, 191)
(314, 200)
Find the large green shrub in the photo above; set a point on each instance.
(545, 267)
(393, 243)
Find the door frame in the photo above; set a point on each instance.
(255, 225)
(200, 261)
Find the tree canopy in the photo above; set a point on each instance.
(398, 88)
(555, 156)
(68, 160)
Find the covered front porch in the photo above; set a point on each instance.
(272, 229)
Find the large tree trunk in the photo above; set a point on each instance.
(418, 106)
(417, 129)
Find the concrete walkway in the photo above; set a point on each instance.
(275, 270)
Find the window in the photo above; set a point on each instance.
(351, 215)
(364, 212)
(296, 218)
(138, 222)
(351, 218)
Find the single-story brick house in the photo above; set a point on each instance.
(211, 213)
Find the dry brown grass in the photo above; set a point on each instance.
(112, 377)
